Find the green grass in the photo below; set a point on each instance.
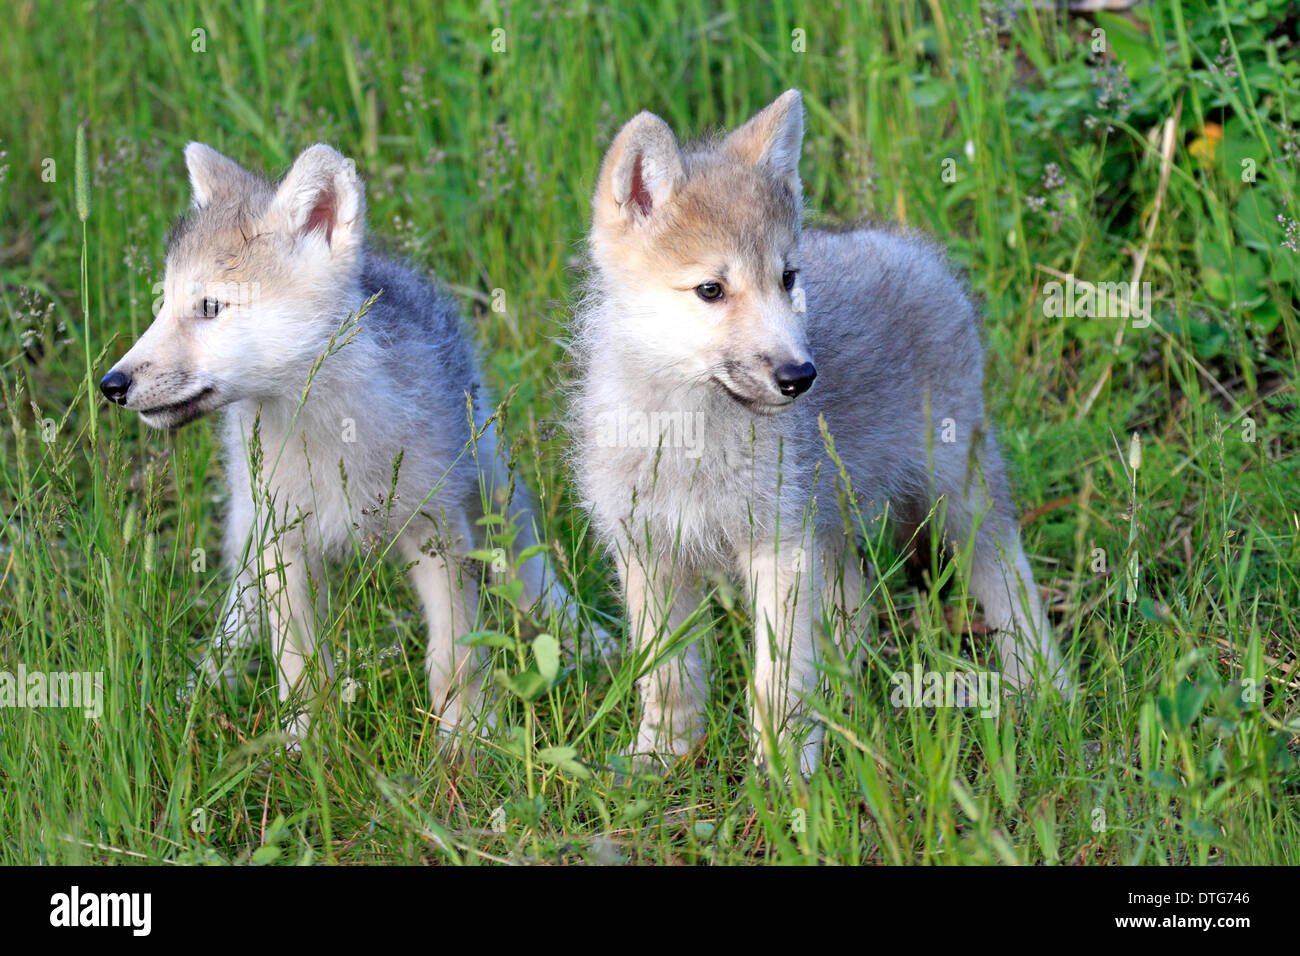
(1181, 745)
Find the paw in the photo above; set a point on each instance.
(457, 726)
(295, 732)
(656, 752)
(598, 644)
(800, 747)
(203, 673)
(807, 767)
(632, 763)
(608, 648)
(1039, 676)
(212, 669)
(1062, 684)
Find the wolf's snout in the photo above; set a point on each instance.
(794, 380)
(115, 385)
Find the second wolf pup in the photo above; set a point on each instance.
(722, 332)
(380, 450)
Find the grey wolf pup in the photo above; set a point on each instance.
(390, 447)
(723, 332)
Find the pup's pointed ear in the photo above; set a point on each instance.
(640, 172)
(322, 194)
(773, 138)
(214, 177)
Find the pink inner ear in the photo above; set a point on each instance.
(323, 216)
(639, 193)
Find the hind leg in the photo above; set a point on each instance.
(455, 672)
(1001, 579)
(847, 583)
(541, 584)
(1003, 583)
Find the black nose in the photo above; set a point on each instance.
(115, 385)
(794, 380)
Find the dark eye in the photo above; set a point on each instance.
(788, 277)
(709, 291)
(211, 307)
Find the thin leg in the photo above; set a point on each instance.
(1001, 579)
(455, 672)
(541, 584)
(238, 631)
(673, 695)
(303, 670)
(785, 659)
(845, 590)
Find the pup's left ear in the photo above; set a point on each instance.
(322, 194)
(773, 138)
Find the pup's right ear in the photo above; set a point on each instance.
(773, 139)
(640, 172)
(215, 177)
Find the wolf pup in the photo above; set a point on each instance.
(711, 335)
(378, 450)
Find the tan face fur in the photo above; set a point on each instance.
(668, 224)
(250, 270)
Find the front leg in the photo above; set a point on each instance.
(303, 668)
(674, 693)
(240, 626)
(238, 631)
(456, 673)
(781, 583)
